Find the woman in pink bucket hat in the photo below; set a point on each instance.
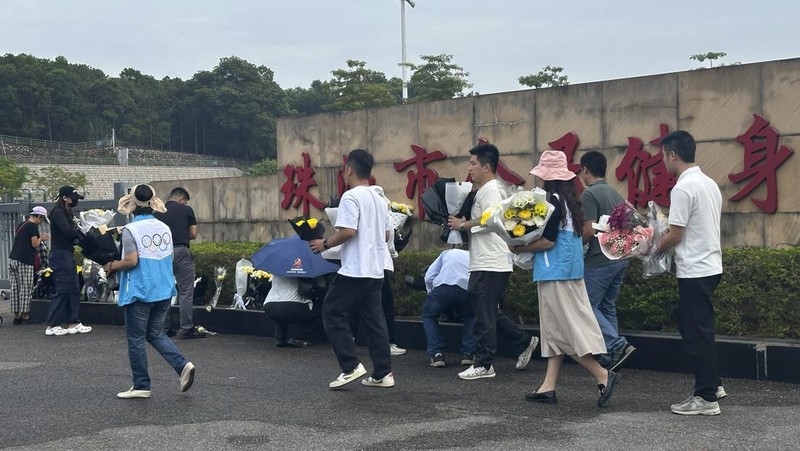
(568, 325)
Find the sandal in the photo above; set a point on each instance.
(79, 329)
(55, 330)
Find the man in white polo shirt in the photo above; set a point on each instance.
(694, 232)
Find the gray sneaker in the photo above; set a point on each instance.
(695, 405)
(620, 356)
(525, 357)
(476, 372)
(721, 393)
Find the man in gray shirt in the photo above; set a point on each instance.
(603, 277)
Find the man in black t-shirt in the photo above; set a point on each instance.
(20, 263)
(183, 225)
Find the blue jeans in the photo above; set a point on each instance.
(602, 286)
(438, 301)
(145, 321)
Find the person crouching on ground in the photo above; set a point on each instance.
(284, 305)
(146, 289)
(568, 324)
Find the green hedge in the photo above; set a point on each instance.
(759, 294)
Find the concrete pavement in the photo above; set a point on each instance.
(58, 393)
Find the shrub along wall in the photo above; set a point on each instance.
(759, 295)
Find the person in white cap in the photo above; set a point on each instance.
(20, 263)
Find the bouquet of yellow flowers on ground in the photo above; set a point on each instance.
(257, 274)
(519, 219)
(308, 228)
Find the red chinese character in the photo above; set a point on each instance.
(762, 158)
(423, 177)
(503, 171)
(569, 144)
(645, 170)
(341, 183)
(299, 191)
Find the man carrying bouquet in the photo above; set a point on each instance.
(694, 232)
(603, 277)
(489, 269)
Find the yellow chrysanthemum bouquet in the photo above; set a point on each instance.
(308, 228)
(519, 219)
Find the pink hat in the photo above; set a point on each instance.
(553, 166)
(40, 211)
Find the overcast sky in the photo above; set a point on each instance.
(496, 41)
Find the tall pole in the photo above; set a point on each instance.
(403, 38)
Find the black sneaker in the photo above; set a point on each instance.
(620, 357)
(437, 361)
(190, 334)
(17, 321)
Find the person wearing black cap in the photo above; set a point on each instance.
(65, 303)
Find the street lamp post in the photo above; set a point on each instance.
(403, 38)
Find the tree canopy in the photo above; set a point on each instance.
(51, 178)
(548, 76)
(11, 177)
(437, 79)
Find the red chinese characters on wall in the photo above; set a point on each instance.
(646, 174)
(421, 177)
(299, 180)
(762, 158)
(569, 144)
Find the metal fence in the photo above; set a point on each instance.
(32, 142)
(12, 215)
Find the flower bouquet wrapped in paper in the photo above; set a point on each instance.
(307, 228)
(399, 214)
(99, 219)
(654, 262)
(624, 233)
(519, 219)
(455, 194)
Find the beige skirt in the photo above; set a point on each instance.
(568, 325)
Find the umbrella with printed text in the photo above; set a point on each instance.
(291, 257)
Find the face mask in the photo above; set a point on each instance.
(73, 201)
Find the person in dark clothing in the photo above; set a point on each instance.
(181, 221)
(21, 264)
(65, 303)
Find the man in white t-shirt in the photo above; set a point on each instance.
(489, 269)
(694, 232)
(362, 230)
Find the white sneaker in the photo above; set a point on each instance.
(396, 350)
(55, 330)
(721, 393)
(525, 357)
(695, 405)
(187, 376)
(133, 394)
(476, 372)
(386, 382)
(346, 378)
(79, 329)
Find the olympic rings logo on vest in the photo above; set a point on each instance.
(158, 241)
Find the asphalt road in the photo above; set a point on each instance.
(58, 393)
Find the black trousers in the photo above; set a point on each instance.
(286, 313)
(345, 293)
(66, 300)
(387, 303)
(486, 294)
(696, 324)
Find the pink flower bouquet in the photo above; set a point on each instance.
(625, 233)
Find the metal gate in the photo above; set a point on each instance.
(12, 215)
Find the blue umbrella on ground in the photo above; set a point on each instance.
(291, 257)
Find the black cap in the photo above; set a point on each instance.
(68, 191)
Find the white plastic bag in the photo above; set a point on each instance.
(454, 194)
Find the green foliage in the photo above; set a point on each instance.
(758, 295)
(312, 100)
(11, 177)
(51, 178)
(264, 167)
(549, 76)
(437, 79)
(358, 87)
(708, 56)
(209, 255)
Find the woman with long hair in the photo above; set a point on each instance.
(65, 302)
(568, 325)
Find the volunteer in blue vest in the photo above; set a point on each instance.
(146, 286)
